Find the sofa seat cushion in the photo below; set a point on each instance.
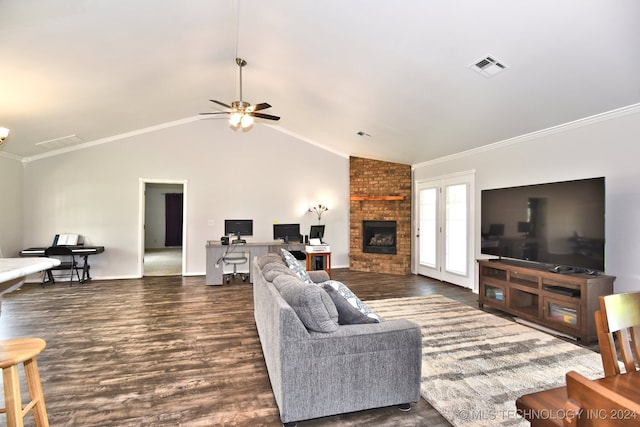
(295, 266)
(351, 310)
(312, 304)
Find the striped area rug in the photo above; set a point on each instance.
(475, 365)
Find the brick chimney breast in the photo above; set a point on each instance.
(380, 191)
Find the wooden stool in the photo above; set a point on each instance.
(13, 352)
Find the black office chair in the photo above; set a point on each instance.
(235, 259)
(68, 264)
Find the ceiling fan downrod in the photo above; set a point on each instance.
(241, 63)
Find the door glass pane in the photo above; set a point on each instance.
(456, 228)
(428, 226)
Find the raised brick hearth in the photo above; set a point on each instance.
(380, 191)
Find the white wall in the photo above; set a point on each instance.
(262, 174)
(10, 207)
(609, 148)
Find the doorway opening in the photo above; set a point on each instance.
(163, 228)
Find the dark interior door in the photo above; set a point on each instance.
(173, 219)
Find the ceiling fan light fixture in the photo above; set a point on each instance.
(235, 119)
(4, 133)
(246, 121)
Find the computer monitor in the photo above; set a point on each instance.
(238, 227)
(287, 232)
(316, 232)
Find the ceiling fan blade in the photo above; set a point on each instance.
(264, 116)
(214, 112)
(261, 106)
(220, 103)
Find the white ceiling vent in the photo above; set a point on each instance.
(488, 66)
(61, 142)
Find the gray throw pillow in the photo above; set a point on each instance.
(295, 266)
(312, 304)
(351, 310)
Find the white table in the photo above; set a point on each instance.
(14, 271)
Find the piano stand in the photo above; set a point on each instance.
(85, 273)
(78, 251)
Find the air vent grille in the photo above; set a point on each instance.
(488, 66)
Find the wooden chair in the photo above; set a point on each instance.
(68, 264)
(13, 352)
(591, 404)
(619, 320)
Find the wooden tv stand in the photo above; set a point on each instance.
(562, 302)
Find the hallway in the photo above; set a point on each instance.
(163, 262)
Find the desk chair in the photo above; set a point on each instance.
(235, 259)
(619, 319)
(68, 265)
(13, 352)
(592, 404)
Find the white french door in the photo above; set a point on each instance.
(445, 229)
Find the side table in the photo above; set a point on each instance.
(326, 261)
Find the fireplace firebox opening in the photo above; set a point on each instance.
(379, 237)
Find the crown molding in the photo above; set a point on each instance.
(10, 156)
(110, 139)
(612, 114)
(608, 115)
(307, 140)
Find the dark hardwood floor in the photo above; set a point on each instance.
(169, 351)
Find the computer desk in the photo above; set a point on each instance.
(216, 250)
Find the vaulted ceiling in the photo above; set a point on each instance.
(78, 71)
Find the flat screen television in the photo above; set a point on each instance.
(238, 227)
(286, 232)
(552, 224)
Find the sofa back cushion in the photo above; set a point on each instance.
(274, 269)
(311, 303)
(269, 257)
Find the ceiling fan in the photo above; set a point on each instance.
(241, 112)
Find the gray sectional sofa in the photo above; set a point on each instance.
(319, 367)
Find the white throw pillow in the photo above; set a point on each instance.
(295, 266)
(351, 310)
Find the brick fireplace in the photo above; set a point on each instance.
(380, 199)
